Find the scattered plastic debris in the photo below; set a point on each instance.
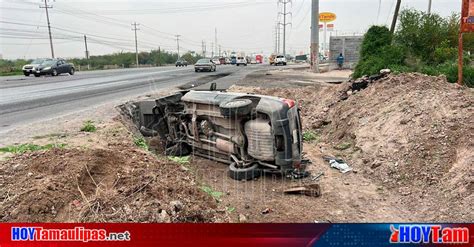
(339, 164)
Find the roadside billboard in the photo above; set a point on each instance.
(327, 17)
(467, 26)
(467, 20)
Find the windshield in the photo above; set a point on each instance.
(280, 56)
(48, 62)
(37, 61)
(203, 61)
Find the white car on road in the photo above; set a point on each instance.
(241, 61)
(280, 60)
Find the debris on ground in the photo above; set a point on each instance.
(313, 190)
(267, 211)
(317, 177)
(339, 164)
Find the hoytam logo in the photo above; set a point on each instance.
(435, 234)
(75, 234)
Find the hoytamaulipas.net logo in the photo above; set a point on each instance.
(432, 234)
(75, 234)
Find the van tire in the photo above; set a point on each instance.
(236, 107)
(248, 173)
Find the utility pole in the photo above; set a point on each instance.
(315, 36)
(203, 47)
(429, 7)
(159, 55)
(284, 24)
(219, 50)
(395, 16)
(46, 7)
(177, 42)
(276, 38)
(87, 53)
(215, 39)
(212, 51)
(136, 42)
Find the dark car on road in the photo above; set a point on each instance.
(204, 64)
(54, 67)
(181, 63)
(31, 67)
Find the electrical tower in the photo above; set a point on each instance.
(46, 7)
(136, 41)
(284, 24)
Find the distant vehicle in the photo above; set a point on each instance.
(259, 58)
(233, 60)
(248, 59)
(204, 64)
(29, 69)
(222, 60)
(253, 61)
(216, 61)
(181, 63)
(301, 58)
(271, 59)
(54, 67)
(241, 61)
(280, 60)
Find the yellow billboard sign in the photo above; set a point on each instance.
(327, 17)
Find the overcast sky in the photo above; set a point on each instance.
(242, 25)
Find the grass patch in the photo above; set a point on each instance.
(230, 209)
(88, 126)
(11, 73)
(343, 146)
(23, 148)
(141, 143)
(310, 136)
(215, 194)
(181, 160)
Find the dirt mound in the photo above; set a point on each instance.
(315, 101)
(410, 133)
(120, 184)
(414, 133)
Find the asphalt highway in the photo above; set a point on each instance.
(27, 99)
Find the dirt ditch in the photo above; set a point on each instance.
(118, 184)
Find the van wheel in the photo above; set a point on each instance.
(71, 72)
(236, 107)
(248, 173)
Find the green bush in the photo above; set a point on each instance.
(377, 52)
(451, 72)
